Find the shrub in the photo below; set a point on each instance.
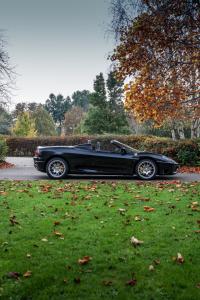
(188, 154)
(3, 149)
(185, 152)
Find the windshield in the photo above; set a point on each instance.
(126, 147)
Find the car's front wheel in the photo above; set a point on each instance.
(57, 168)
(146, 169)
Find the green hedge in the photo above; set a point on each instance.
(185, 152)
(3, 149)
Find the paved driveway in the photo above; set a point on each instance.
(24, 170)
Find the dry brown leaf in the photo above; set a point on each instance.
(84, 260)
(180, 258)
(27, 274)
(107, 282)
(137, 218)
(56, 223)
(14, 275)
(156, 261)
(131, 282)
(77, 280)
(3, 193)
(148, 209)
(135, 242)
(13, 220)
(151, 268)
(57, 233)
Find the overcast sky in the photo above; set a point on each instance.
(57, 46)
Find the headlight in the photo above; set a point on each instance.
(168, 159)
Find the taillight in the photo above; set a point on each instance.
(37, 152)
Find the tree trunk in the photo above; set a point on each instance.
(181, 132)
(173, 134)
(195, 129)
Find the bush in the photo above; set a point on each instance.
(3, 149)
(188, 155)
(185, 152)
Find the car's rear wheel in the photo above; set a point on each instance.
(146, 169)
(57, 168)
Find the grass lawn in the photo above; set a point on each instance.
(48, 227)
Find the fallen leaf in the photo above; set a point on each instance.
(27, 274)
(3, 193)
(56, 223)
(13, 221)
(65, 280)
(151, 268)
(148, 208)
(107, 282)
(135, 242)
(77, 280)
(44, 240)
(84, 260)
(57, 233)
(131, 282)
(180, 258)
(14, 275)
(156, 261)
(121, 211)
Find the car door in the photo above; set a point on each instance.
(106, 162)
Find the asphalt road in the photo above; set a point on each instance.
(24, 170)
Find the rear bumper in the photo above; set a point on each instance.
(39, 164)
(167, 168)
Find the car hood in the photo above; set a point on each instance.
(156, 156)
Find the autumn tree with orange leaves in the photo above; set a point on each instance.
(158, 54)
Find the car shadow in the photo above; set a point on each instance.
(118, 177)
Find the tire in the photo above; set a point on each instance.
(146, 169)
(57, 168)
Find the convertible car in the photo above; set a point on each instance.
(59, 161)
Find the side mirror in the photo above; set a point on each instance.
(123, 151)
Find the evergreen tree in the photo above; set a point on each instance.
(119, 122)
(106, 115)
(81, 99)
(25, 126)
(97, 118)
(57, 107)
(5, 121)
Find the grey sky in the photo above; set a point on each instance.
(57, 45)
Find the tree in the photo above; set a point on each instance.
(6, 72)
(97, 118)
(81, 99)
(73, 118)
(25, 126)
(5, 121)
(98, 98)
(57, 106)
(105, 115)
(44, 123)
(20, 108)
(159, 54)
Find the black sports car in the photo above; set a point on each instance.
(59, 161)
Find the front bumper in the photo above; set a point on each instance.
(39, 164)
(165, 168)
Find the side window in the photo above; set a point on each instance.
(115, 149)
